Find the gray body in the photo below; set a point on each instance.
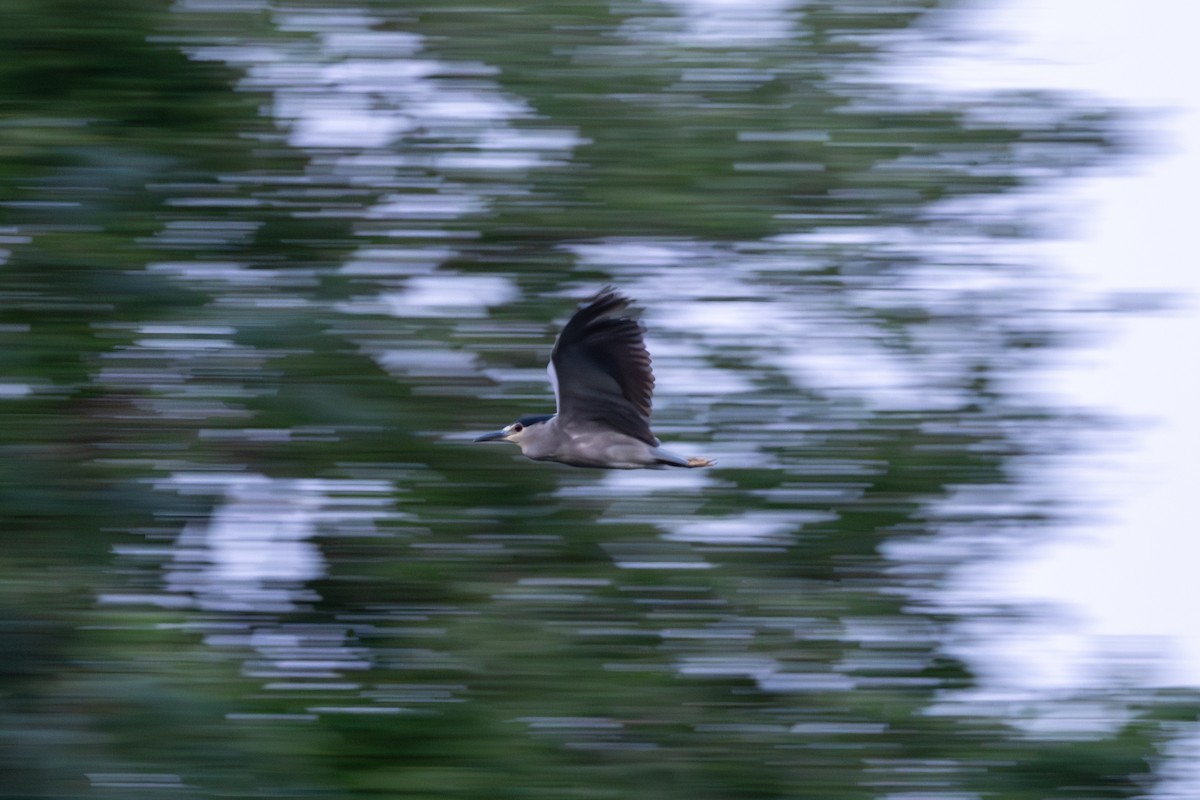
(602, 382)
(583, 445)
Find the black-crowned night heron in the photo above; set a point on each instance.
(602, 382)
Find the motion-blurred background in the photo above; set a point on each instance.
(267, 267)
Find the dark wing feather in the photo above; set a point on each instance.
(601, 369)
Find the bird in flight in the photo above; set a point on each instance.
(600, 371)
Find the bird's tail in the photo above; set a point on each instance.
(666, 458)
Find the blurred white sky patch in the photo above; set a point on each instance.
(721, 23)
(451, 294)
(257, 550)
(1123, 574)
(813, 344)
(444, 294)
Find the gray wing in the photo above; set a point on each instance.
(600, 369)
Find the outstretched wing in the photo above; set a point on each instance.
(600, 369)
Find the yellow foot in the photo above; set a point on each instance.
(698, 461)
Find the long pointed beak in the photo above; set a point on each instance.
(491, 437)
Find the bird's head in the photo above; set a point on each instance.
(520, 431)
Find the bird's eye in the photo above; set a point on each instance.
(517, 427)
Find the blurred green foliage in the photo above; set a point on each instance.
(478, 638)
